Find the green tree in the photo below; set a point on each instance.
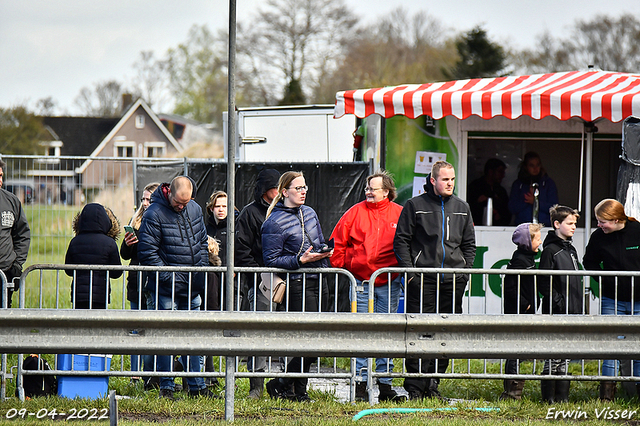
(20, 131)
(198, 76)
(478, 56)
(151, 80)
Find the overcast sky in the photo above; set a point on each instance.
(56, 47)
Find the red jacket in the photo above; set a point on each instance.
(363, 239)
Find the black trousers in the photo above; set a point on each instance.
(426, 297)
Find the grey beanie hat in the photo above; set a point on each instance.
(522, 236)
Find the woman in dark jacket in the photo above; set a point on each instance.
(94, 244)
(615, 246)
(521, 198)
(292, 239)
(135, 280)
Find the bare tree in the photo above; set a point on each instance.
(293, 40)
(151, 80)
(104, 101)
(604, 42)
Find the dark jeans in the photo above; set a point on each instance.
(424, 298)
(295, 296)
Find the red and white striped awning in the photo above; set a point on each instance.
(586, 94)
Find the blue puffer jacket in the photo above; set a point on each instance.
(169, 238)
(282, 237)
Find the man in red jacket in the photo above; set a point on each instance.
(363, 240)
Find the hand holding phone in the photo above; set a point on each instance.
(129, 228)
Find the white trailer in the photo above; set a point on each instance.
(307, 133)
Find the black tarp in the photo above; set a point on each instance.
(333, 187)
(628, 186)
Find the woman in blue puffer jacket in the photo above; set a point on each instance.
(292, 239)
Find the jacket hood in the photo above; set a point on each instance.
(522, 237)
(161, 195)
(94, 218)
(267, 179)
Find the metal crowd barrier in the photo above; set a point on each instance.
(483, 336)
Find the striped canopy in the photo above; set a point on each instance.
(586, 94)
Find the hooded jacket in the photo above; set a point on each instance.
(218, 230)
(363, 239)
(523, 258)
(560, 255)
(435, 232)
(248, 244)
(171, 238)
(284, 241)
(617, 251)
(92, 245)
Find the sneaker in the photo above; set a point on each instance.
(211, 382)
(387, 393)
(152, 383)
(204, 392)
(167, 394)
(273, 388)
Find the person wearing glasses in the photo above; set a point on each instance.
(173, 233)
(292, 239)
(363, 239)
(435, 230)
(129, 251)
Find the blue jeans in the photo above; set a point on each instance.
(611, 307)
(385, 300)
(165, 362)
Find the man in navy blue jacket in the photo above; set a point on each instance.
(173, 233)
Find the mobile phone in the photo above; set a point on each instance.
(129, 228)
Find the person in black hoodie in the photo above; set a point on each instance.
(561, 294)
(435, 230)
(527, 238)
(96, 230)
(217, 228)
(248, 253)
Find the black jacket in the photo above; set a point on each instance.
(92, 246)
(617, 251)
(560, 255)
(170, 238)
(435, 232)
(218, 230)
(131, 253)
(521, 259)
(248, 246)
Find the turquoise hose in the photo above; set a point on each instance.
(363, 413)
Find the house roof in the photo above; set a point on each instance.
(137, 104)
(80, 135)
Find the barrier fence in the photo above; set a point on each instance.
(475, 343)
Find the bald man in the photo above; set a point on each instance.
(173, 233)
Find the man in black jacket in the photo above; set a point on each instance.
(248, 253)
(435, 230)
(15, 237)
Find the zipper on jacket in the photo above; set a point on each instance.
(444, 229)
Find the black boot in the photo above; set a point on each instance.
(608, 390)
(256, 386)
(388, 394)
(361, 391)
(562, 390)
(512, 389)
(548, 390)
(432, 390)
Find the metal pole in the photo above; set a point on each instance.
(230, 364)
(588, 178)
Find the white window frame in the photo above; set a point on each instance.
(125, 144)
(161, 145)
(140, 121)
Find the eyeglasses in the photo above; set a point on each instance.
(300, 188)
(369, 189)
